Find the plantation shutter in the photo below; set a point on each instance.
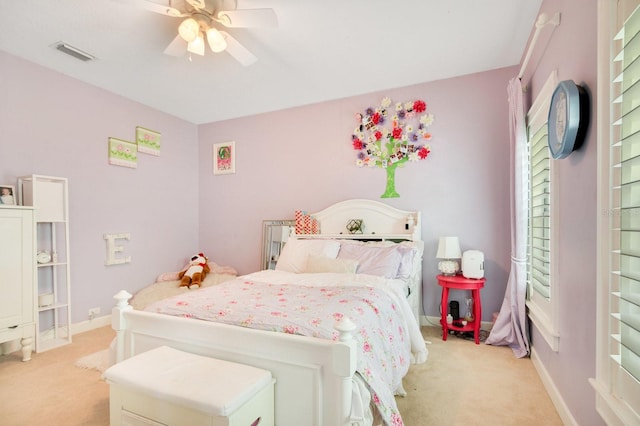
(625, 214)
(539, 221)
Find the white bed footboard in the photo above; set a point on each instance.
(313, 376)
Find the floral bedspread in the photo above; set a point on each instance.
(385, 336)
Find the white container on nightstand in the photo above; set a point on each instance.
(473, 264)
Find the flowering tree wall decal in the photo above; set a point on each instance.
(390, 138)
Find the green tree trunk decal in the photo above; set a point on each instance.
(390, 190)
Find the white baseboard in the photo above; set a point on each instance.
(81, 327)
(552, 390)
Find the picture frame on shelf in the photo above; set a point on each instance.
(224, 158)
(7, 195)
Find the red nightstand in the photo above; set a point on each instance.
(458, 282)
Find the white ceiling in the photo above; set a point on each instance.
(321, 50)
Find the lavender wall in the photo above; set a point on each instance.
(295, 159)
(571, 51)
(302, 159)
(53, 125)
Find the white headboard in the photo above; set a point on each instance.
(380, 221)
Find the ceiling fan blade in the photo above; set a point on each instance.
(198, 4)
(177, 47)
(156, 7)
(238, 51)
(248, 18)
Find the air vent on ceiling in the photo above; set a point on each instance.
(73, 51)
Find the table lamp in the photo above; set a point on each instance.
(449, 251)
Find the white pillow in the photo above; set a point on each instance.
(411, 258)
(295, 252)
(325, 264)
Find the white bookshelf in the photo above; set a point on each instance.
(49, 197)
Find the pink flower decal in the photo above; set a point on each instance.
(419, 106)
(423, 153)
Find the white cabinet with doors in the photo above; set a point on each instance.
(17, 319)
(49, 197)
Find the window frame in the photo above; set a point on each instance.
(543, 312)
(612, 408)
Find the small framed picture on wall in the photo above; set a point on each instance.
(7, 195)
(224, 158)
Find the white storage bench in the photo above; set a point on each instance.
(165, 386)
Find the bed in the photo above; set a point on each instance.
(324, 375)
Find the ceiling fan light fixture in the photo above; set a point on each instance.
(216, 40)
(189, 30)
(197, 45)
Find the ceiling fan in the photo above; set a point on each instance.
(201, 19)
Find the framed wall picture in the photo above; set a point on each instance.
(123, 153)
(224, 158)
(7, 195)
(148, 141)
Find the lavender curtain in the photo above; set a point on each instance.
(510, 328)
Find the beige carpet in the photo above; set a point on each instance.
(51, 390)
(462, 384)
(474, 385)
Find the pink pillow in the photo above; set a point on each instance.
(380, 261)
(324, 264)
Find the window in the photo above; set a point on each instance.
(617, 379)
(541, 294)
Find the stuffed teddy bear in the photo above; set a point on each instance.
(195, 273)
